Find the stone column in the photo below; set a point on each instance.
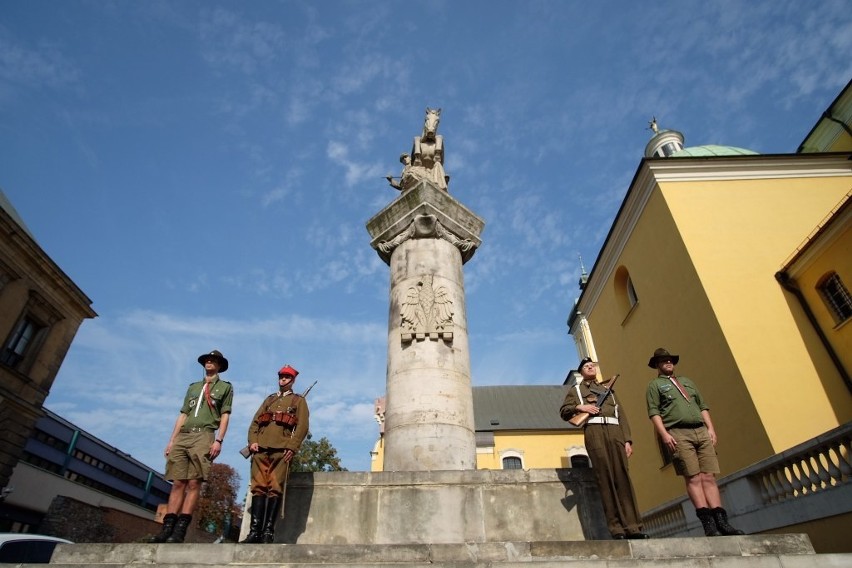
(426, 236)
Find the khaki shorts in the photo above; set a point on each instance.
(190, 456)
(695, 452)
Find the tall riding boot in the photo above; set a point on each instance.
(705, 515)
(180, 528)
(258, 510)
(168, 526)
(720, 515)
(272, 503)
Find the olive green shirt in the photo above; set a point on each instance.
(665, 400)
(200, 414)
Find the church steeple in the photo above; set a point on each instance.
(584, 277)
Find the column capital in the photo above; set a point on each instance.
(425, 211)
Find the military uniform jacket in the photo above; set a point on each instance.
(273, 435)
(588, 394)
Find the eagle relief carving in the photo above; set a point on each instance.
(426, 312)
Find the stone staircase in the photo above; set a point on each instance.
(758, 551)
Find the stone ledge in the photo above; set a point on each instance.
(674, 551)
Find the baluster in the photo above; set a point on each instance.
(764, 484)
(813, 463)
(823, 459)
(833, 471)
(793, 479)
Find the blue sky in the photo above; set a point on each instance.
(204, 172)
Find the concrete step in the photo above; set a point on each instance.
(759, 551)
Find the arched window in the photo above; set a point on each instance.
(512, 462)
(580, 460)
(625, 291)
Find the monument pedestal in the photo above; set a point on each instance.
(477, 506)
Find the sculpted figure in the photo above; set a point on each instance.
(426, 161)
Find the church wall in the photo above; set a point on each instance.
(739, 233)
(701, 257)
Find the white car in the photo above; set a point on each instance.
(28, 548)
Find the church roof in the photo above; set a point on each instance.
(713, 150)
(520, 407)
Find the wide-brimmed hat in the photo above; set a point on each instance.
(215, 354)
(583, 361)
(287, 370)
(661, 353)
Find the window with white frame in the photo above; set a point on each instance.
(512, 462)
(511, 459)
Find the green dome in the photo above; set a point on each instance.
(712, 150)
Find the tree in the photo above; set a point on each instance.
(316, 456)
(218, 498)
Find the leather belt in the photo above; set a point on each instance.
(603, 420)
(194, 430)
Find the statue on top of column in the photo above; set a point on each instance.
(426, 161)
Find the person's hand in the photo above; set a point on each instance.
(628, 448)
(254, 448)
(712, 433)
(590, 408)
(215, 449)
(168, 449)
(669, 441)
(288, 455)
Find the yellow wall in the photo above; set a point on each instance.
(538, 450)
(758, 224)
(702, 258)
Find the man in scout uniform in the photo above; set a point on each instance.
(274, 436)
(609, 443)
(195, 443)
(681, 419)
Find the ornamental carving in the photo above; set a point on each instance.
(426, 227)
(426, 312)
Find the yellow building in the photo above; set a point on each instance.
(741, 264)
(517, 427)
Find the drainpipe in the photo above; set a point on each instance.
(790, 285)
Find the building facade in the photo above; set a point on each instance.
(61, 460)
(741, 264)
(40, 311)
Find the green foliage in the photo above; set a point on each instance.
(316, 456)
(218, 498)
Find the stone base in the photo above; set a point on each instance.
(428, 507)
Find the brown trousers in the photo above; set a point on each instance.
(605, 444)
(268, 472)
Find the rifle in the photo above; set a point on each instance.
(581, 418)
